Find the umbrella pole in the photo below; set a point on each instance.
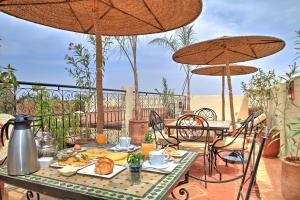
(99, 82)
(230, 90)
(223, 96)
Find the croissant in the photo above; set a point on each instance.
(104, 166)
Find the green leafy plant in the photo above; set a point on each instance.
(135, 159)
(293, 140)
(8, 84)
(149, 137)
(262, 91)
(168, 99)
(289, 134)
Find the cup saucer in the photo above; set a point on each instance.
(147, 164)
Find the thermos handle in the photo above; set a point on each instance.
(4, 130)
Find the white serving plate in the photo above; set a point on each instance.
(130, 148)
(170, 166)
(180, 154)
(56, 165)
(90, 170)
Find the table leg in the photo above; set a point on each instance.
(183, 191)
(30, 195)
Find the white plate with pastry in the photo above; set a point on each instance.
(104, 167)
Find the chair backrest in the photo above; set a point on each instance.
(158, 126)
(244, 131)
(156, 122)
(252, 167)
(192, 127)
(207, 113)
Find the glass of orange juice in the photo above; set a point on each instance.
(146, 148)
(101, 139)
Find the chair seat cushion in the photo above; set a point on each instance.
(237, 144)
(192, 146)
(165, 139)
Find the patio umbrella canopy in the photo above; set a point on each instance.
(106, 17)
(220, 71)
(226, 50)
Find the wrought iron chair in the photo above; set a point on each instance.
(158, 126)
(235, 145)
(251, 169)
(207, 113)
(192, 132)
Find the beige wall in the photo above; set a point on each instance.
(293, 111)
(215, 102)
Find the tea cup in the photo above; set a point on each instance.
(125, 141)
(156, 158)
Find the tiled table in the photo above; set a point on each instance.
(153, 185)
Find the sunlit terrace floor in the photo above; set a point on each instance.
(268, 182)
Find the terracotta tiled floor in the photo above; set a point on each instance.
(268, 182)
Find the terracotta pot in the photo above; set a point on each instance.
(270, 150)
(188, 112)
(137, 130)
(290, 179)
(146, 148)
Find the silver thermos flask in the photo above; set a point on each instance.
(22, 157)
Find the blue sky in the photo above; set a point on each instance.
(37, 52)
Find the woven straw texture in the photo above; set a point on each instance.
(239, 49)
(117, 17)
(221, 70)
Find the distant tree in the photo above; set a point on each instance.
(182, 37)
(8, 84)
(82, 67)
(167, 98)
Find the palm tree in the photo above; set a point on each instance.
(128, 47)
(297, 44)
(182, 37)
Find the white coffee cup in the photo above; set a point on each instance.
(125, 141)
(156, 158)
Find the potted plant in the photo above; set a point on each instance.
(262, 91)
(290, 172)
(134, 161)
(137, 125)
(148, 144)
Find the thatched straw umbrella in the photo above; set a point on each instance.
(106, 17)
(220, 71)
(226, 50)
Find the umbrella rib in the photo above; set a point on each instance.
(74, 14)
(253, 50)
(122, 11)
(269, 42)
(241, 53)
(156, 19)
(101, 17)
(215, 57)
(38, 3)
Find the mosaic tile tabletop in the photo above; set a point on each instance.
(153, 185)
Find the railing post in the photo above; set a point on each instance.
(129, 104)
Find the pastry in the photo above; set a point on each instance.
(104, 166)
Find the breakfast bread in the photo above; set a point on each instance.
(104, 166)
